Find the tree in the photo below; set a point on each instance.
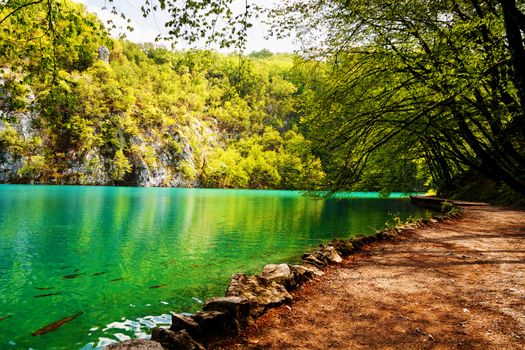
(425, 82)
(439, 81)
(47, 36)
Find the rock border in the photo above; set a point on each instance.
(249, 297)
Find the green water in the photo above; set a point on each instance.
(184, 242)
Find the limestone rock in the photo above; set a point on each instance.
(360, 241)
(290, 276)
(9, 166)
(261, 294)
(216, 323)
(310, 259)
(281, 274)
(103, 53)
(369, 239)
(317, 272)
(181, 322)
(170, 340)
(328, 254)
(345, 248)
(385, 234)
(135, 344)
(237, 307)
(304, 273)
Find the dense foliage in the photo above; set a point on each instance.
(430, 88)
(146, 115)
(387, 96)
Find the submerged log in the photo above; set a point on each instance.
(99, 273)
(53, 326)
(158, 286)
(47, 295)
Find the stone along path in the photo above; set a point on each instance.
(458, 284)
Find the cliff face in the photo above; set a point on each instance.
(166, 166)
(13, 134)
(154, 163)
(179, 120)
(35, 150)
(9, 166)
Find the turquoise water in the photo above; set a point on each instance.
(125, 257)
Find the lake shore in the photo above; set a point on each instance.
(455, 284)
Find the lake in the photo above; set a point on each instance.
(120, 258)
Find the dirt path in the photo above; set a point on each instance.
(456, 285)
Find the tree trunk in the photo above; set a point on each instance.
(511, 17)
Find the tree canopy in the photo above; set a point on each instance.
(76, 111)
(411, 83)
(393, 94)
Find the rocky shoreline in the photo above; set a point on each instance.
(249, 297)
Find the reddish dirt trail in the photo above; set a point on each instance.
(455, 285)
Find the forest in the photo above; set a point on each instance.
(88, 109)
(386, 96)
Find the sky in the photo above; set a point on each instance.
(146, 29)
